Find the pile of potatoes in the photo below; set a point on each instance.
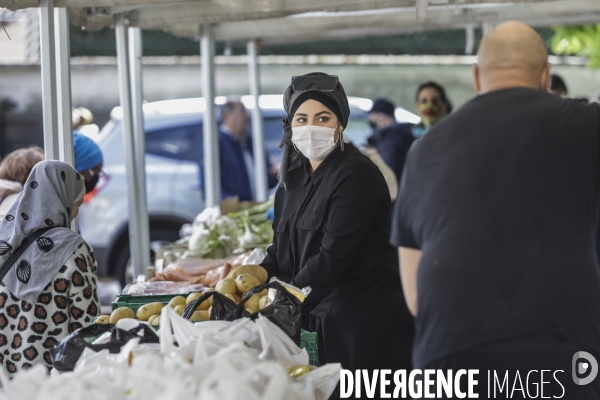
(239, 282)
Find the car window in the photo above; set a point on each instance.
(176, 142)
(357, 131)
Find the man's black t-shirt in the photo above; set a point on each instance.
(502, 197)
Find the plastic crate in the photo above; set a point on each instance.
(308, 341)
(135, 302)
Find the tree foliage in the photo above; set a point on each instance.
(581, 41)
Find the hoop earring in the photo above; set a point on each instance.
(341, 139)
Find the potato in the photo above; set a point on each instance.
(200, 316)
(177, 301)
(245, 282)
(237, 298)
(255, 270)
(156, 321)
(250, 310)
(210, 299)
(203, 306)
(120, 313)
(299, 295)
(179, 309)
(230, 297)
(263, 302)
(148, 310)
(298, 371)
(103, 319)
(226, 286)
(263, 292)
(152, 319)
(192, 296)
(253, 302)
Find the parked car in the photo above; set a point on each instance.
(173, 133)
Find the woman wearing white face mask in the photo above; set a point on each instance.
(332, 222)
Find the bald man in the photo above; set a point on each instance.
(495, 225)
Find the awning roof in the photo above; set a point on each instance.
(280, 21)
(288, 21)
(299, 20)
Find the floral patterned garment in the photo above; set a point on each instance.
(69, 302)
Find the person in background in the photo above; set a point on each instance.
(50, 290)
(88, 160)
(83, 122)
(558, 85)
(391, 139)
(235, 154)
(431, 105)
(14, 171)
(495, 223)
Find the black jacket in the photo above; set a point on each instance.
(331, 233)
(332, 225)
(393, 143)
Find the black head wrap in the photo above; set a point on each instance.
(325, 89)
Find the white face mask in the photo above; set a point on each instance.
(315, 142)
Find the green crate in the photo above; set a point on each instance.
(308, 341)
(135, 302)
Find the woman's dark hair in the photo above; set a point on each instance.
(558, 85)
(440, 90)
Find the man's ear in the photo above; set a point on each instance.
(476, 78)
(546, 78)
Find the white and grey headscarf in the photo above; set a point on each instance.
(46, 201)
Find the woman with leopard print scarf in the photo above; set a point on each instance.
(50, 291)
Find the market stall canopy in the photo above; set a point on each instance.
(346, 25)
(292, 20)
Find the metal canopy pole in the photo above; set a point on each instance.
(470, 39)
(258, 133)
(212, 170)
(63, 84)
(49, 95)
(139, 136)
(135, 245)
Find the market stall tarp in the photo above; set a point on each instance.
(345, 25)
(281, 21)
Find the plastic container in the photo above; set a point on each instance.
(308, 341)
(135, 302)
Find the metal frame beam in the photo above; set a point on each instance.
(63, 84)
(49, 92)
(139, 139)
(212, 167)
(258, 132)
(139, 250)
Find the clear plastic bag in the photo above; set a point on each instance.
(276, 345)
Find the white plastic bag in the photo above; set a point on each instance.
(323, 380)
(235, 373)
(176, 329)
(276, 345)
